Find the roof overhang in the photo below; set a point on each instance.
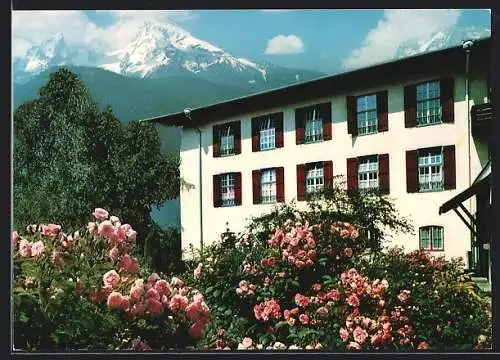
(447, 60)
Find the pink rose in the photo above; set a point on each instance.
(111, 278)
(196, 330)
(130, 264)
(153, 278)
(304, 319)
(257, 311)
(359, 335)
(114, 253)
(135, 292)
(125, 302)
(55, 258)
(137, 309)
(152, 293)
(271, 261)
(353, 300)
(100, 214)
(193, 311)
(423, 345)
(333, 295)
(301, 300)
(291, 321)
(344, 334)
(354, 234)
(115, 300)
(154, 306)
(353, 346)
(322, 311)
(247, 342)
(37, 249)
(316, 287)
(106, 228)
(131, 235)
(197, 272)
(178, 302)
(162, 287)
(51, 230)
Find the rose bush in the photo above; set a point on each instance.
(85, 291)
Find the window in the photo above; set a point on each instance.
(428, 103)
(314, 178)
(430, 169)
(227, 189)
(227, 140)
(267, 134)
(431, 238)
(313, 126)
(366, 114)
(268, 185)
(368, 173)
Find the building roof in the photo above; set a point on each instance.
(450, 59)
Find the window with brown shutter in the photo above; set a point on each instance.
(215, 140)
(301, 182)
(447, 101)
(352, 174)
(280, 184)
(383, 165)
(237, 188)
(411, 171)
(216, 191)
(449, 167)
(278, 124)
(383, 111)
(299, 126)
(328, 173)
(352, 125)
(255, 134)
(410, 101)
(237, 137)
(325, 111)
(256, 186)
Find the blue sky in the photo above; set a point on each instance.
(323, 40)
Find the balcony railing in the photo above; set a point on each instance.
(481, 118)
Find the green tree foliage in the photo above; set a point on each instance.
(69, 158)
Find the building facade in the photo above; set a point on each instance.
(401, 127)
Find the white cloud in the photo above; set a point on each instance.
(396, 28)
(32, 27)
(282, 44)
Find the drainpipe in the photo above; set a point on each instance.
(187, 113)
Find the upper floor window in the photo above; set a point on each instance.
(227, 139)
(431, 169)
(268, 185)
(367, 114)
(431, 238)
(267, 132)
(313, 177)
(368, 173)
(428, 103)
(313, 123)
(227, 189)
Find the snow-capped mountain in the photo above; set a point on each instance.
(442, 39)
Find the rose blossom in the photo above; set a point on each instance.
(304, 319)
(178, 302)
(316, 287)
(153, 278)
(105, 228)
(115, 300)
(100, 214)
(152, 293)
(353, 346)
(322, 311)
(154, 306)
(51, 230)
(344, 334)
(301, 300)
(130, 264)
(353, 300)
(111, 278)
(114, 253)
(37, 248)
(197, 271)
(257, 311)
(193, 311)
(291, 321)
(247, 342)
(359, 335)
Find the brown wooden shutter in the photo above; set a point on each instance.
(447, 101)
(280, 184)
(299, 126)
(328, 173)
(256, 186)
(301, 182)
(216, 140)
(325, 111)
(237, 188)
(237, 136)
(410, 106)
(352, 124)
(217, 192)
(383, 166)
(255, 134)
(352, 174)
(411, 171)
(382, 109)
(449, 167)
(278, 124)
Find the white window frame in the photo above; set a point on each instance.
(226, 141)
(313, 126)
(430, 170)
(268, 190)
(428, 107)
(227, 189)
(315, 178)
(433, 233)
(367, 114)
(267, 135)
(368, 173)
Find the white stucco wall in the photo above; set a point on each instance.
(422, 208)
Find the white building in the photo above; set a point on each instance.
(403, 126)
